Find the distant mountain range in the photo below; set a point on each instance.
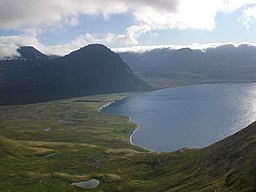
(35, 77)
(226, 63)
(95, 69)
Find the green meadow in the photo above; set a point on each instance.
(48, 146)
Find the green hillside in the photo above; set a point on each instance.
(48, 146)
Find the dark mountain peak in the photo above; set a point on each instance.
(246, 47)
(184, 52)
(222, 51)
(187, 49)
(160, 52)
(224, 48)
(30, 53)
(96, 46)
(92, 49)
(227, 46)
(95, 54)
(93, 69)
(99, 48)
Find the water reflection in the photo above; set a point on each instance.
(192, 116)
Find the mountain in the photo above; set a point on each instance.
(93, 69)
(226, 63)
(228, 165)
(232, 160)
(30, 53)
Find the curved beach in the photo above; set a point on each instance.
(129, 139)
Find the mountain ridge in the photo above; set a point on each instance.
(225, 63)
(93, 69)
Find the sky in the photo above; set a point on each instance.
(61, 26)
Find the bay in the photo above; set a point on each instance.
(190, 116)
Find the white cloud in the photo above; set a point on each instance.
(196, 14)
(129, 38)
(16, 14)
(8, 50)
(199, 14)
(161, 14)
(194, 46)
(248, 18)
(33, 17)
(233, 5)
(9, 44)
(134, 32)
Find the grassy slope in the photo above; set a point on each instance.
(83, 143)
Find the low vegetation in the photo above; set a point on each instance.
(48, 146)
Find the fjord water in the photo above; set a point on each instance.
(191, 116)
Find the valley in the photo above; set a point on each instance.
(127, 96)
(53, 137)
(48, 146)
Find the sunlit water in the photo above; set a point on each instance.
(190, 116)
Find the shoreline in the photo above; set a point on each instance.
(109, 103)
(105, 105)
(137, 126)
(129, 135)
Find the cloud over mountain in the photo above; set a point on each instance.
(42, 16)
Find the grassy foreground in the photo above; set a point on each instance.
(48, 146)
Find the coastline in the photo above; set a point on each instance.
(105, 105)
(109, 103)
(129, 136)
(137, 126)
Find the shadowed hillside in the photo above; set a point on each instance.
(93, 69)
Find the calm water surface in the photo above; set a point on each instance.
(190, 116)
